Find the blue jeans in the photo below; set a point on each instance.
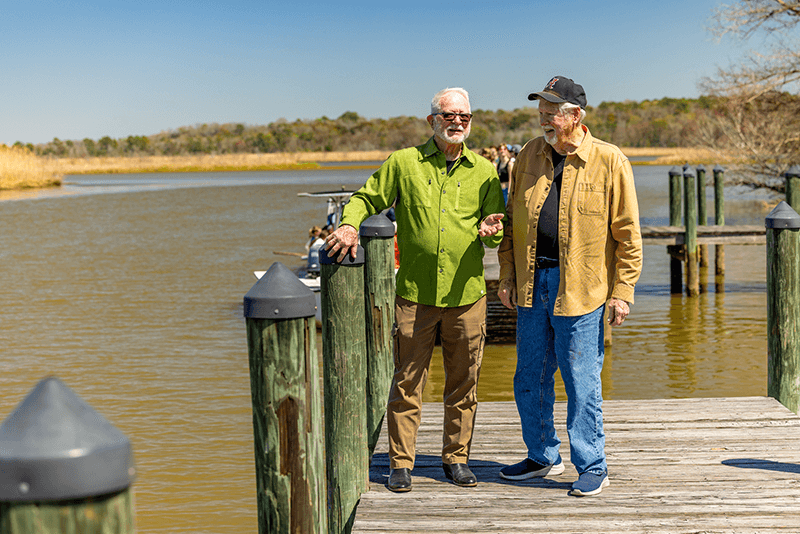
(546, 342)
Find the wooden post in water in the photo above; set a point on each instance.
(690, 242)
(783, 305)
(377, 236)
(344, 350)
(287, 412)
(719, 219)
(792, 177)
(702, 213)
(63, 467)
(675, 251)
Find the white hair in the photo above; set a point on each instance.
(436, 106)
(567, 107)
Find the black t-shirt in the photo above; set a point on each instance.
(547, 229)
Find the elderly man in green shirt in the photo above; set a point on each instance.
(448, 205)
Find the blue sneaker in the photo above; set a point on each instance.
(589, 484)
(527, 468)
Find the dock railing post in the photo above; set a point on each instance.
(719, 220)
(692, 275)
(63, 467)
(792, 177)
(783, 305)
(377, 236)
(675, 251)
(344, 354)
(702, 213)
(284, 385)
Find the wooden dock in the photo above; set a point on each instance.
(706, 235)
(675, 466)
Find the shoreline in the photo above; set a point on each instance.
(303, 161)
(312, 161)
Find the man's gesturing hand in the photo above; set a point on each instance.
(491, 225)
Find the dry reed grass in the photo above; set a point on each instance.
(22, 169)
(678, 156)
(207, 163)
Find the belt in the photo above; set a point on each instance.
(546, 263)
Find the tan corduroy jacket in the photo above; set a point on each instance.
(599, 240)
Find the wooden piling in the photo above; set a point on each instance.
(702, 214)
(287, 412)
(675, 252)
(719, 220)
(783, 305)
(692, 274)
(792, 177)
(377, 236)
(344, 369)
(63, 467)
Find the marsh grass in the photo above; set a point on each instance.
(679, 156)
(22, 169)
(208, 163)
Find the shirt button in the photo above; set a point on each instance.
(443, 191)
(441, 270)
(443, 210)
(442, 229)
(442, 251)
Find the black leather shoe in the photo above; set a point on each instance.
(399, 480)
(460, 475)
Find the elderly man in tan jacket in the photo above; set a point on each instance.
(572, 245)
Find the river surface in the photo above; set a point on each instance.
(129, 288)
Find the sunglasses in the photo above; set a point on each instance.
(465, 117)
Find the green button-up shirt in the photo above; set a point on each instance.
(438, 214)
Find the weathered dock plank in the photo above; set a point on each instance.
(706, 235)
(676, 466)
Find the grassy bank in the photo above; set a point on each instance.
(208, 163)
(21, 169)
(307, 160)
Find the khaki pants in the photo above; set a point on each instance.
(463, 333)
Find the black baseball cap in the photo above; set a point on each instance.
(561, 89)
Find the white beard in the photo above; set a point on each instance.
(452, 138)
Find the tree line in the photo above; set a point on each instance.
(667, 122)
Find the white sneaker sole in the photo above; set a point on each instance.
(578, 493)
(556, 469)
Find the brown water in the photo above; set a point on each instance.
(129, 289)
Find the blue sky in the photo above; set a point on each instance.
(77, 69)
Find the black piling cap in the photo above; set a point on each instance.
(348, 260)
(55, 447)
(279, 294)
(675, 171)
(793, 172)
(378, 225)
(782, 216)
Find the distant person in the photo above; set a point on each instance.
(572, 244)
(318, 241)
(449, 205)
(504, 166)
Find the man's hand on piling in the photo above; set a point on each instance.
(507, 292)
(618, 310)
(491, 225)
(344, 239)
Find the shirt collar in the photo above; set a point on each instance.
(430, 148)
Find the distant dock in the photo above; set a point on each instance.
(675, 466)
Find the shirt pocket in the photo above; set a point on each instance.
(591, 199)
(416, 192)
(468, 197)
